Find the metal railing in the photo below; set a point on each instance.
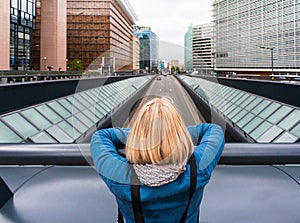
(79, 154)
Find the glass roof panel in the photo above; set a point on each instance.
(36, 118)
(241, 99)
(68, 105)
(247, 101)
(259, 130)
(290, 120)
(76, 123)
(296, 130)
(247, 118)
(59, 109)
(81, 99)
(69, 129)
(98, 114)
(42, 137)
(49, 113)
(239, 115)
(286, 137)
(7, 135)
(59, 134)
(270, 134)
(279, 114)
(240, 95)
(256, 110)
(80, 116)
(253, 124)
(253, 104)
(21, 125)
(234, 112)
(269, 110)
(75, 102)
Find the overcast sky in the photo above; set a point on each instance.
(169, 19)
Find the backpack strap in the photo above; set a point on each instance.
(193, 182)
(120, 218)
(136, 199)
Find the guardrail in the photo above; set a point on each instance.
(79, 154)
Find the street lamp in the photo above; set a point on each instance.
(272, 56)
(45, 63)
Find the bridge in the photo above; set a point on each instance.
(47, 173)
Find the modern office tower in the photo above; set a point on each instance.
(188, 50)
(17, 18)
(255, 36)
(198, 48)
(100, 34)
(149, 43)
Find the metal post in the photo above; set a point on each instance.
(272, 61)
(272, 56)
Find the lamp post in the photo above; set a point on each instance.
(45, 63)
(272, 56)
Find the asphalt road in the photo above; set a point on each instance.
(168, 86)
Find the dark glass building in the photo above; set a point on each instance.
(22, 19)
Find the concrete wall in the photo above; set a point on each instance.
(4, 34)
(53, 34)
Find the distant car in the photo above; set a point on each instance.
(158, 78)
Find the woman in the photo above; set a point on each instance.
(155, 182)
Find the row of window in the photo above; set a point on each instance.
(262, 119)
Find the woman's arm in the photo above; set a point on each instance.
(108, 162)
(209, 141)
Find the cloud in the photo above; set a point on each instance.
(169, 19)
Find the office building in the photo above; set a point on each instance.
(17, 18)
(254, 36)
(100, 34)
(149, 43)
(198, 48)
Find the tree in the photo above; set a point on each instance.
(75, 65)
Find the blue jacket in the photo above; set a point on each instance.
(164, 203)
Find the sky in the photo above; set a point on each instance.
(169, 20)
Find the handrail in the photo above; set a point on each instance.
(79, 154)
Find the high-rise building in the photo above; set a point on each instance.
(149, 43)
(256, 36)
(198, 48)
(17, 18)
(100, 34)
(34, 34)
(188, 50)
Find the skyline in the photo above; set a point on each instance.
(169, 20)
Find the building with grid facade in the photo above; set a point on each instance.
(198, 48)
(251, 35)
(100, 34)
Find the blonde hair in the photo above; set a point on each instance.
(158, 135)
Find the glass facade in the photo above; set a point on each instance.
(245, 31)
(100, 34)
(22, 23)
(149, 44)
(188, 54)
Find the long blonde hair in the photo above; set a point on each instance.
(158, 135)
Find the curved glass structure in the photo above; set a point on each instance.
(263, 119)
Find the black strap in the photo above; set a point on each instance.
(120, 217)
(193, 183)
(136, 200)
